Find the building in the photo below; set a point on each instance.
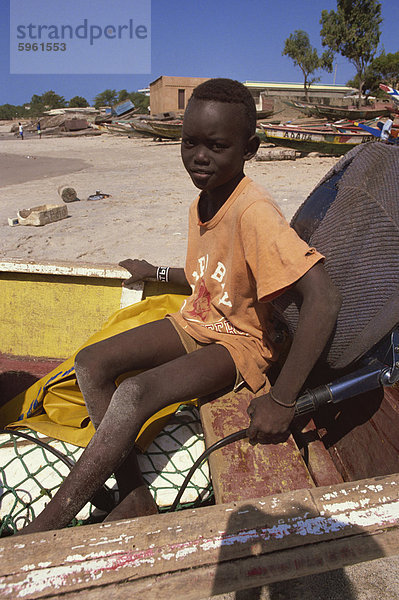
(171, 94)
(270, 96)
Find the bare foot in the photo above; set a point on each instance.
(138, 503)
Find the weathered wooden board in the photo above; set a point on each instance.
(240, 471)
(317, 458)
(362, 434)
(195, 553)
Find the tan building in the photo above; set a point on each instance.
(171, 94)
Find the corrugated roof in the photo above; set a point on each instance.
(296, 86)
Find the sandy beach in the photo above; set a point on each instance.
(146, 215)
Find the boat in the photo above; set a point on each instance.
(119, 128)
(335, 113)
(316, 503)
(143, 127)
(323, 140)
(391, 91)
(170, 130)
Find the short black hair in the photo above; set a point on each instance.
(230, 91)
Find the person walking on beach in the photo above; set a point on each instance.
(39, 129)
(21, 131)
(241, 254)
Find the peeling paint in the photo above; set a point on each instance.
(81, 568)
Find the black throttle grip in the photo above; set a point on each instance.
(311, 400)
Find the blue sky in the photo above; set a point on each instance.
(242, 39)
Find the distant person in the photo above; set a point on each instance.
(39, 129)
(21, 131)
(241, 254)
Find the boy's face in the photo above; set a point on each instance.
(214, 143)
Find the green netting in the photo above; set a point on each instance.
(30, 475)
(171, 456)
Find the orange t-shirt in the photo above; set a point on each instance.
(236, 263)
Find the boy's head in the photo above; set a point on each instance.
(230, 92)
(218, 133)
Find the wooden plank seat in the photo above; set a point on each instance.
(350, 441)
(241, 471)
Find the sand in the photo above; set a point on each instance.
(146, 216)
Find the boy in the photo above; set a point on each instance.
(241, 254)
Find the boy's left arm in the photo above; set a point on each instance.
(321, 302)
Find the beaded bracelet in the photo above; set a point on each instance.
(273, 397)
(163, 274)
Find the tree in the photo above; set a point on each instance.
(123, 95)
(370, 83)
(9, 111)
(106, 98)
(386, 68)
(36, 106)
(78, 102)
(140, 101)
(353, 31)
(298, 47)
(52, 100)
(383, 69)
(46, 101)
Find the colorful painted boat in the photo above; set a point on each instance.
(391, 91)
(325, 141)
(327, 498)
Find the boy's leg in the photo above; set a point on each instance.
(99, 365)
(203, 372)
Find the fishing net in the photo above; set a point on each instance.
(30, 474)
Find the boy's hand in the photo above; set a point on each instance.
(269, 421)
(140, 270)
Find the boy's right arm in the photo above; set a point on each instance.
(141, 270)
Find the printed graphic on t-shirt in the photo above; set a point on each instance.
(201, 311)
(202, 303)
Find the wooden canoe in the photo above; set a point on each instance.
(327, 498)
(325, 141)
(343, 112)
(170, 130)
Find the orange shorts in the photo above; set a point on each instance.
(190, 344)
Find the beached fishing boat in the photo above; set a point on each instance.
(170, 130)
(334, 113)
(325, 141)
(120, 129)
(143, 127)
(326, 498)
(394, 94)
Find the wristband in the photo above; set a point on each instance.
(273, 397)
(163, 274)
